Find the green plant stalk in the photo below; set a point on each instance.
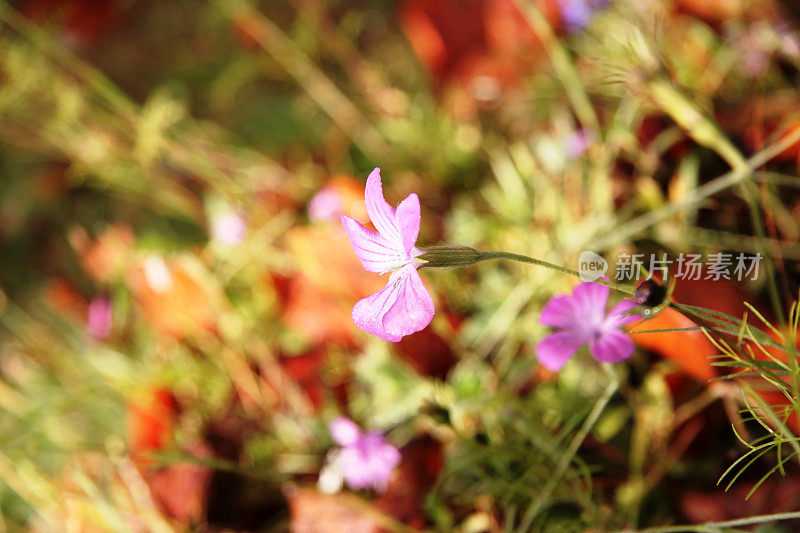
(627, 289)
(784, 432)
(450, 256)
(562, 64)
(791, 348)
(310, 78)
(789, 345)
(600, 191)
(569, 454)
(118, 105)
(42, 40)
(695, 123)
(758, 226)
(706, 133)
(716, 527)
(632, 227)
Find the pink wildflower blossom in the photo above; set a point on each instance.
(576, 14)
(578, 142)
(365, 460)
(325, 205)
(98, 318)
(581, 319)
(229, 228)
(404, 305)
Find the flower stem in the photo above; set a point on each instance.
(566, 458)
(718, 526)
(533, 261)
(451, 256)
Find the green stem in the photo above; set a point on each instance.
(533, 261)
(569, 454)
(703, 130)
(750, 197)
(717, 526)
(630, 228)
(319, 87)
(561, 62)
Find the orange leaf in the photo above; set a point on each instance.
(690, 350)
(315, 512)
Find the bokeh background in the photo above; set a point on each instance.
(175, 327)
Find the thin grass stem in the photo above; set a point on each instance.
(569, 454)
(715, 527)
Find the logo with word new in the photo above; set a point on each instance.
(591, 266)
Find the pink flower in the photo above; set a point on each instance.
(98, 318)
(404, 305)
(365, 460)
(229, 228)
(581, 319)
(578, 142)
(324, 205)
(576, 14)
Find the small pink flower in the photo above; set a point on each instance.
(98, 318)
(581, 319)
(229, 229)
(578, 142)
(365, 460)
(324, 205)
(404, 305)
(576, 14)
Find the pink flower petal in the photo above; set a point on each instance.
(401, 308)
(620, 315)
(555, 349)
(387, 454)
(98, 318)
(408, 217)
(368, 312)
(356, 469)
(376, 253)
(381, 213)
(344, 431)
(559, 313)
(591, 299)
(612, 346)
(413, 310)
(369, 462)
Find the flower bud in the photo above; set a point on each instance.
(450, 256)
(650, 293)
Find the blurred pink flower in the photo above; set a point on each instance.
(404, 305)
(229, 229)
(581, 319)
(578, 142)
(576, 14)
(324, 205)
(365, 460)
(98, 318)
